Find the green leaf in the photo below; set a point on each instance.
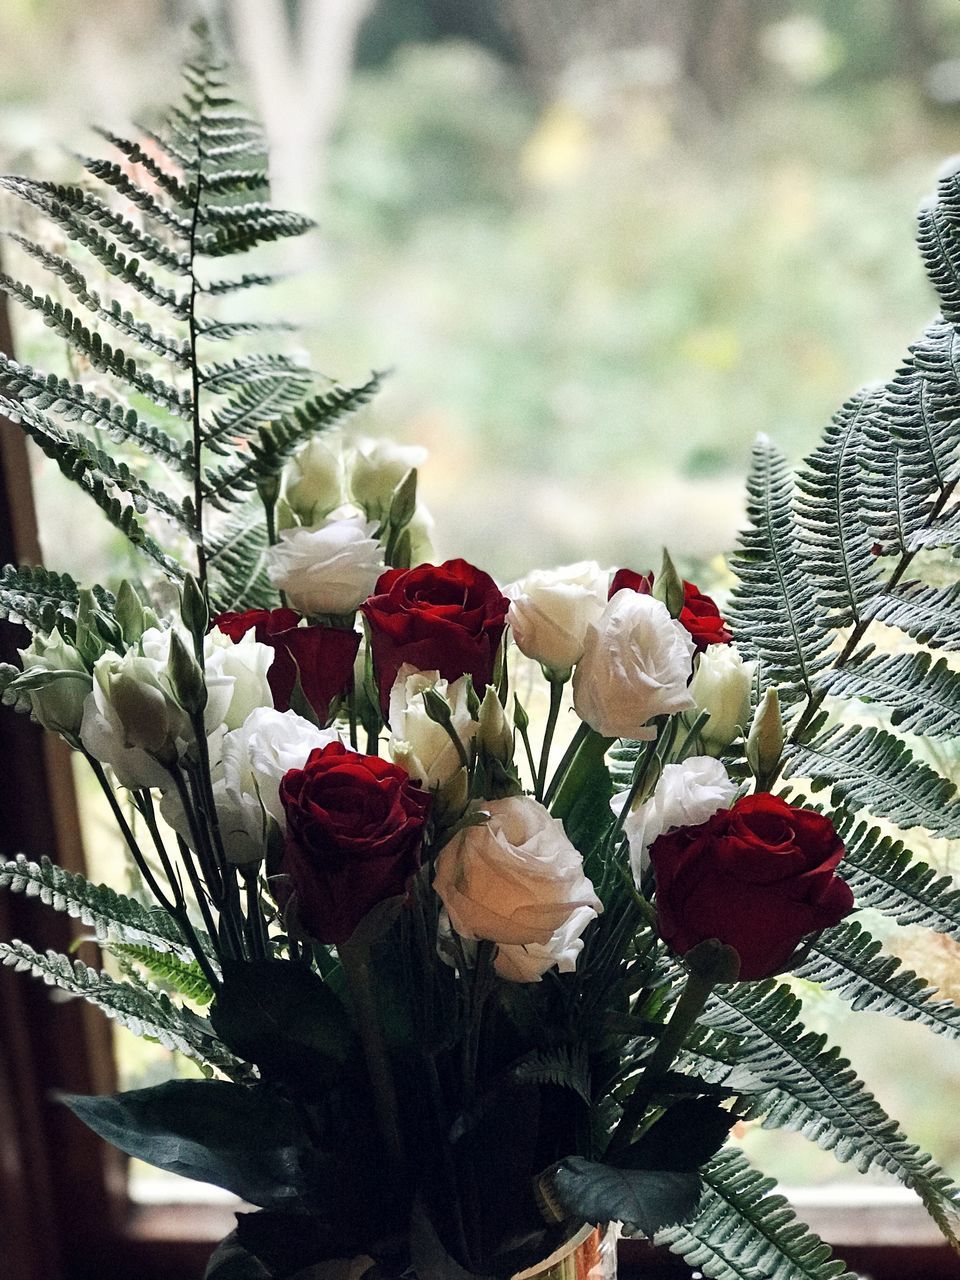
(184, 976)
(243, 1139)
(283, 1017)
(923, 696)
(644, 1200)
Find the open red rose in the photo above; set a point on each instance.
(699, 615)
(758, 876)
(323, 656)
(354, 829)
(447, 618)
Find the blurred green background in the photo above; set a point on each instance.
(601, 245)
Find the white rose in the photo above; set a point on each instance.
(219, 683)
(420, 530)
(636, 663)
(518, 881)
(312, 480)
(551, 609)
(245, 663)
(686, 795)
(377, 467)
(330, 568)
(246, 786)
(418, 744)
(57, 705)
(721, 686)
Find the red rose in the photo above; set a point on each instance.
(447, 618)
(323, 656)
(354, 828)
(758, 876)
(699, 615)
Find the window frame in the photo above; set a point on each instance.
(67, 1214)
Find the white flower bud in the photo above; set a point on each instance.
(551, 609)
(418, 743)
(635, 666)
(331, 568)
(376, 468)
(495, 731)
(721, 686)
(765, 739)
(58, 705)
(312, 481)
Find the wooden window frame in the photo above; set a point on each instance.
(64, 1209)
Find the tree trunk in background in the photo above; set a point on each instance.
(299, 62)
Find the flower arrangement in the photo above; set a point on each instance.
(468, 990)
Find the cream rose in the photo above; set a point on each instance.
(686, 795)
(636, 663)
(518, 881)
(330, 568)
(312, 481)
(375, 470)
(245, 662)
(721, 686)
(551, 609)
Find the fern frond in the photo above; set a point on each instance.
(41, 599)
(219, 378)
(567, 1067)
(169, 183)
(276, 442)
(112, 175)
(873, 769)
(940, 251)
(77, 212)
(72, 402)
(234, 232)
(846, 959)
(113, 916)
(884, 875)
(165, 345)
(742, 1232)
(253, 406)
(100, 353)
(774, 606)
(236, 560)
(833, 544)
(923, 695)
(249, 280)
(184, 976)
(146, 1012)
(931, 615)
(816, 1092)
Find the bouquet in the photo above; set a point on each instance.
(458, 989)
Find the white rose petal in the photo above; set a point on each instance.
(245, 663)
(418, 744)
(518, 881)
(551, 609)
(636, 663)
(686, 795)
(330, 568)
(59, 704)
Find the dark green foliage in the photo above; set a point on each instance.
(182, 976)
(42, 599)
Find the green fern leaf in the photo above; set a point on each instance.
(41, 599)
(111, 174)
(774, 607)
(185, 977)
(816, 1092)
(742, 1232)
(923, 696)
(113, 916)
(236, 560)
(567, 1067)
(251, 407)
(931, 615)
(142, 1010)
(846, 959)
(872, 769)
(884, 875)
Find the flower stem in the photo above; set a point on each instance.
(556, 697)
(355, 959)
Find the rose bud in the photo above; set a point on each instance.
(329, 568)
(447, 618)
(765, 739)
(636, 663)
(550, 610)
(354, 830)
(57, 705)
(321, 657)
(758, 877)
(721, 686)
(518, 881)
